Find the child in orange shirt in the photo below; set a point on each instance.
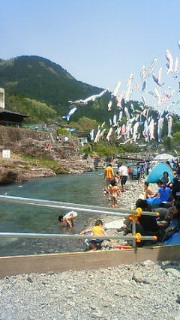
(97, 230)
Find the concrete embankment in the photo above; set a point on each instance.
(84, 260)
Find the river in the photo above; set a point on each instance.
(86, 188)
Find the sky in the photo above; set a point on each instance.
(99, 42)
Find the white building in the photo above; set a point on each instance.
(2, 98)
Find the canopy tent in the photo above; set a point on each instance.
(174, 239)
(164, 157)
(157, 172)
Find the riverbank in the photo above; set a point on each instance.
(27, 154)
(146, 290)
(33, 154)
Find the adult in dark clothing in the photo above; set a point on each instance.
(165, 179)
(177, 173)
(147, 224)
(175, 188)
(174, 223)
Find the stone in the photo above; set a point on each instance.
(137, 276)
(175, 273)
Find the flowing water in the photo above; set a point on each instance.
(86, 188)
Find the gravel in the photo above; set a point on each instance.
(138, 291)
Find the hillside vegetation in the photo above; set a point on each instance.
(38, 87)
(37, 111)
(41, 89)
(39, 78)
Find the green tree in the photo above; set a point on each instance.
(176, 137)
(85, 125)
(37, 111)
(176, 125)
(168, 143)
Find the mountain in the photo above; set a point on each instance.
(39, 78)
(42, 81)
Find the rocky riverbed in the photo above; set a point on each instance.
(146, 290)
(138, 291)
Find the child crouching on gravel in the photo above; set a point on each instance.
(97, 231)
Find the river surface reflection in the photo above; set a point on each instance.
(86, 188)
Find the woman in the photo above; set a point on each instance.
(165, 179)
(163, 195)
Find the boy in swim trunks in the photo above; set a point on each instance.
(114, 192)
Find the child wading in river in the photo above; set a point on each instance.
(68, 219)
(114, 192)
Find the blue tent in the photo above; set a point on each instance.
(158, 171)
(174, 239)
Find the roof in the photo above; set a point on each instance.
(11, 112)
(7, 116)
(164, 156)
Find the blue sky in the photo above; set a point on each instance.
(97, 41)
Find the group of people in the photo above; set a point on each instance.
(166, 201)
(163, 226)
(112, 179)
(166, 194)
(68, 221)
(163, 197)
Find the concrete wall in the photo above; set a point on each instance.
(84, 260)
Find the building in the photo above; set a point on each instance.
(2, 98)
(11, 118)
(8, 117)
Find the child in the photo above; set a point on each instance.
(68, 219)
(148, 193)
(114, 192)
(130, 173)
(97, 230)
(116, 177)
